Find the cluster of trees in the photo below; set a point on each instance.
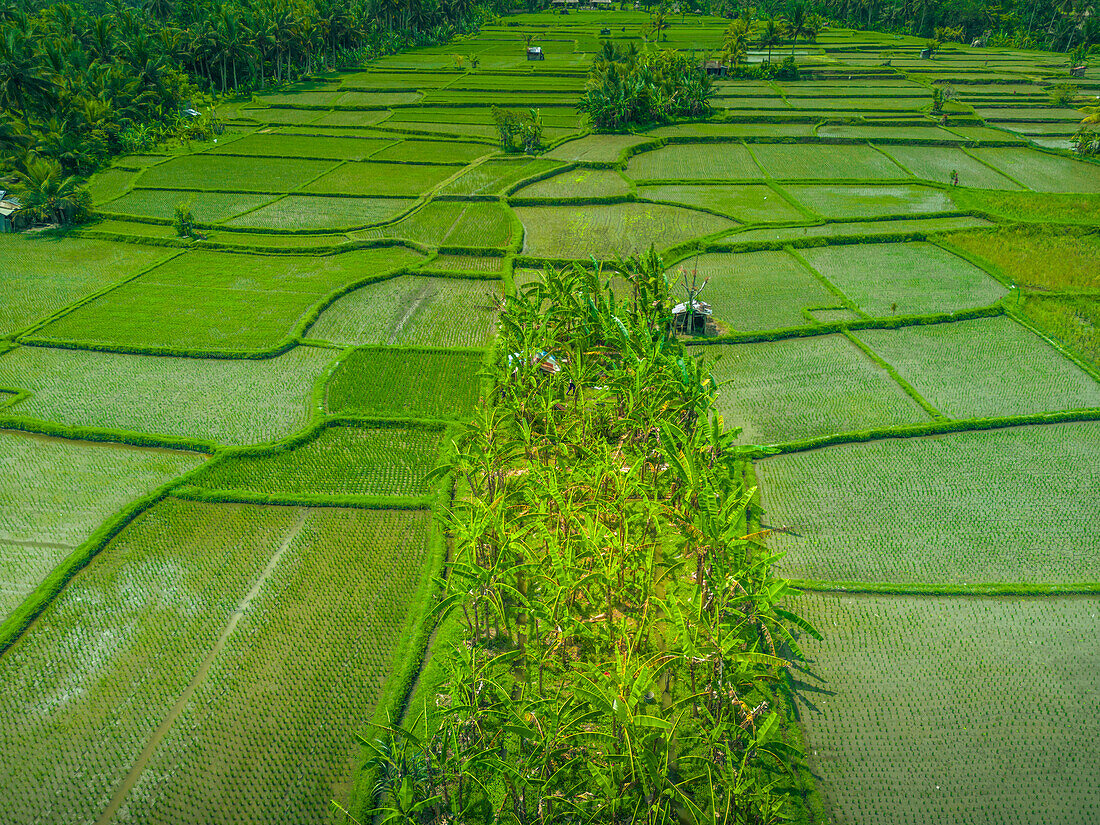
(518, 131)
(77, 86)
(629, 87)
(1056, 25)
(622, 640)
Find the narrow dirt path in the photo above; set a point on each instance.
(200, 676)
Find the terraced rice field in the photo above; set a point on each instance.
(223, 445)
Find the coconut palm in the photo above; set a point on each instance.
(48, 194)
(770, 35)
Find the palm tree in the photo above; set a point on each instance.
(736, 43)
(797, 19)
(50, 195)
(22, 82)
(771, 35)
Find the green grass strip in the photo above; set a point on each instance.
(106, 435)
(854, 325)
(922, 589)
(215, 496)
(940, 427)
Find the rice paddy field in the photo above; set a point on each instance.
(218, 533)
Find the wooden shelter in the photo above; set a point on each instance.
(694, 317)
(535, 53)
(715, 68)
(10, 213)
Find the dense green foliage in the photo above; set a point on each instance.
(627, 87)
(623, 638)
(1042, 24)
(77, 87)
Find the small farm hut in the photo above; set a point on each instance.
(715, 68)
(535, 53)
(602, 4)
(1077, 71)
(693, 317)
(10, 213)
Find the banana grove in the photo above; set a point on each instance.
(623, 640)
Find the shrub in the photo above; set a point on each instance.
(518, 132)
(1063, 94)
(184, 221)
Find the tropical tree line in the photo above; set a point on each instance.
(1054, 25)
(78, 86)
(621, 639)
(628, 87)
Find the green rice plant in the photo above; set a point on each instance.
(985, 368)
(985, 134)
(807, 162)
(940, 164)
(89, 687)
(375, 99)
(387, 179)
(578, 182)
(219, 301)
(1037, 113)
(907, 279)
(334, 657)
(495, 177)
(918, 708)
(1033, 207)
(890, 103)
(281, 117)
(207, 207)
(747, 203)
(405, 383)
(705, 161)
(139, 161)
(351, 118)
(254, 400)
(338, 461)
(413, 311)
(53, 496)
(444, 130)
(734, 130)
(596, 148)
(466, 263)
(846, 202)
(755, 290)
(428, 225)
(233, 174)
(855, 229)
(1042, 257)
(438, 114)
(482, 225)
(813, 386)
(624, 228)
(1072, 319)
(435, 151)
(108, 184)
(746, 105)
(1041, 171)
(951, 509)
(285, 145)
(318, 95)
(42, 275)
(890, 133)
(314, 212)
(377, 80)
